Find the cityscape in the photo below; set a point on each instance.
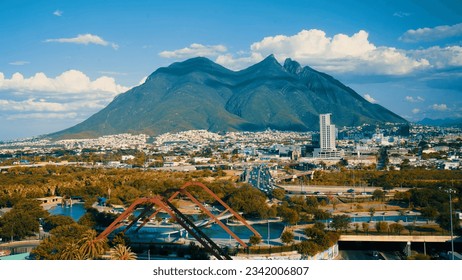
(275, 139)
(354, 183)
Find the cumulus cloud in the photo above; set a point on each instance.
(72, 81)
(71, 95)
(432, 34)
(195, 50)
(42, 105)
(412, 99)
(369, 98)
(84, 39)
(440, 57)
(340, 53)
(415, 111)
(439, 107)
(31, 105)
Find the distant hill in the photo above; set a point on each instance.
(200, 94)
(441, 122)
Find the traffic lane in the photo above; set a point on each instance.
(360, 255)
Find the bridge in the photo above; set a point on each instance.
(396, 238)
(153, 205)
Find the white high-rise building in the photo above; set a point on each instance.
(327, 133)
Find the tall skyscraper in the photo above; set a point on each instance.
(327, 133)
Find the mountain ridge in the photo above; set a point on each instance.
(201, 94)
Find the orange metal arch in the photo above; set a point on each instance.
(183, 190)
(160, 201)
(227, 207)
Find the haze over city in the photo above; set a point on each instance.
(64, 61)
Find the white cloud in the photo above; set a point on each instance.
(143, 80)
(412, 99)
(432, 34)
(439, 107)
(369, 98)
(340, 53)
(415, 111)
(19, 63)
(42, 105)
(440, 57)
(237, 63)
(71, 95)
(84, 39)
(58, 13)
(31, 105)
(72, 81)
(195, 50)
(42, 116)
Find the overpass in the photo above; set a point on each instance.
(396, 238)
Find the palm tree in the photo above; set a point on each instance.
(371, 212)
(90, 246)
(71, 252)
(122, 252)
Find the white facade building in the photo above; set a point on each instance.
(326, 139)
(327, 133)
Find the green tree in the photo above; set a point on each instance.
(278, 193)
(197, 253)
(319, 225)
(254, 240)
(287, 237)
(378, 195)
(54, 221)
(396, 228)
(59, 245)
(365, 227)
(22, 220)
(429, 212)
(90, 246)
(289, 215)
(121, 252)
(71, 252)
(381, 227)
(308, 248)
(250, 201)
(341, 222)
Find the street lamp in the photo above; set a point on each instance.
(450, 192)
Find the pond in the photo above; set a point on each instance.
(275, 230)
(75, 212)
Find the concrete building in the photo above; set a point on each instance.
(326, 139)
(327, 133)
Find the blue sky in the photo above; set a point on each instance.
(62, 61)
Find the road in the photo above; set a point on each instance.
(359, 255)
(331, 189)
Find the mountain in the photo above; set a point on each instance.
(442, 122)
(200, 94)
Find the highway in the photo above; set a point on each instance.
(330, 189)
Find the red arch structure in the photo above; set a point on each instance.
(165, 204)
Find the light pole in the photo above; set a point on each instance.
(450, 192)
